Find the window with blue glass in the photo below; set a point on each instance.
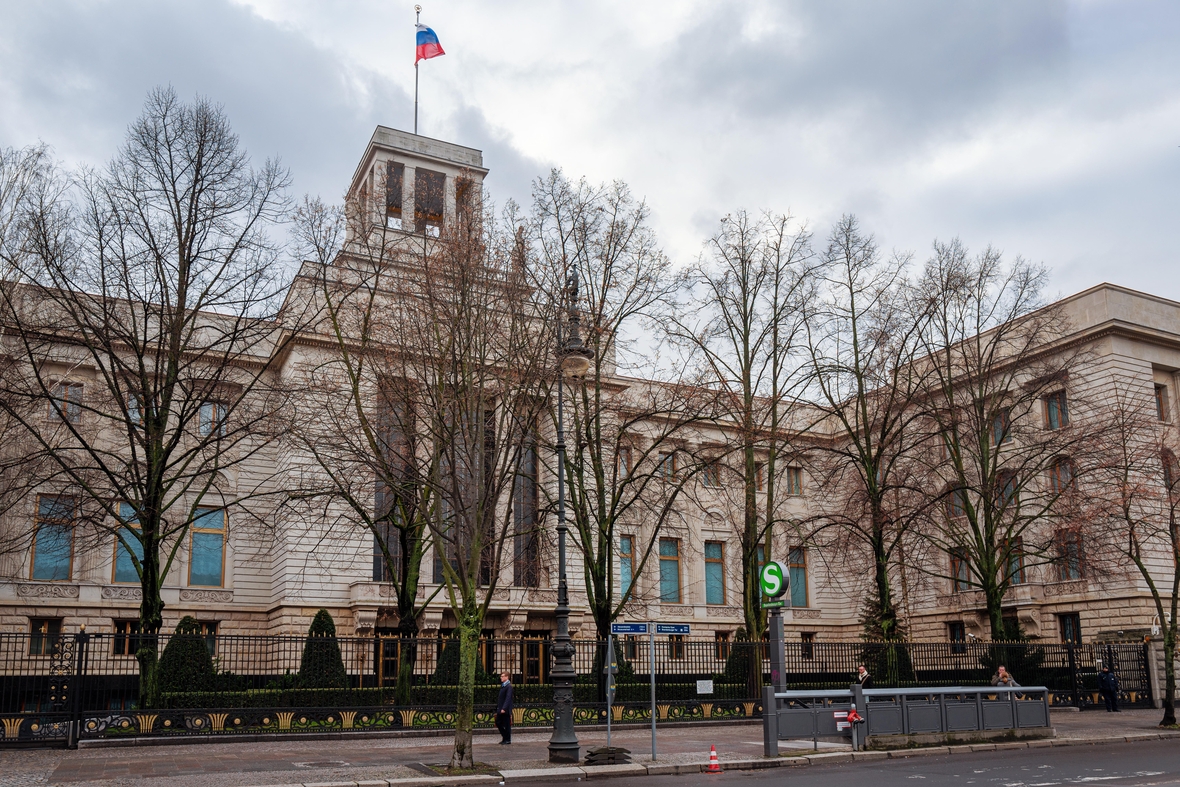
(626, 563)
(53, 542)
(208, 548)
(714, 572)
(670, 570)
(797, 559)
(128, 538)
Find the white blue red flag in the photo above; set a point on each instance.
(428, 45)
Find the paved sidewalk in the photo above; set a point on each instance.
(352, 760)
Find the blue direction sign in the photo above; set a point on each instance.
(672, 628)
(628, 628)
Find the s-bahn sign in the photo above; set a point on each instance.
(774, 579)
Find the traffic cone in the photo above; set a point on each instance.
(714, 765)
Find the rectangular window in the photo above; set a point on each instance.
(1007, 491)
(760, 557)
(623, 463)
(714, 572)
(797, 558)
(1071, 628)
(1002, 427)
(1161, 402)
(213, 415)
(526, 567)
(1056, 410)
(208, 548)
(428, 201)
(66, 402)
(394, 178)
(666, 465)
(759, 477)
(957, 633)
(960, 570)
(1060, 476)
(670, 570)
(1016, 561)
(209, 632)
(626, 563)
(676, 647)
(134, 410)
(721, 645)
(1070, 558)
(807, 646)
(125, 570)
(956, 504)
(53, 539)
(711, 475)
(43, 635)
(631, 647)
(794, 481)
(126, 639)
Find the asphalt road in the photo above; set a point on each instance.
(1151, 763)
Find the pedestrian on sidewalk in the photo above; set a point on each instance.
(504, 709)
(863, 677)
(1004, 678)
(1108, 687)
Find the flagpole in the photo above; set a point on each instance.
(417, 21)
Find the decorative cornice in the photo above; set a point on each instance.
(1069, 588)
(206, 596)
(682, 612)
(723, 612)
(805, 614)
(122, 593)
(47, 590)
(543, 596)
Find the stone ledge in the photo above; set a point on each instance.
(673, 769)
(548, 774)
(901, 754)
(608, 771)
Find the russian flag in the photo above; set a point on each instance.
(428, 45)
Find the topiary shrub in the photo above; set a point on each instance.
(186, 664)
(446, 672)
(321, 666)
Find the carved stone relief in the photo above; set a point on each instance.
(122, 593)
(206, 596)
(47, 590)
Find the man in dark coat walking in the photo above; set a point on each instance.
(1108, 687)
(504, 709)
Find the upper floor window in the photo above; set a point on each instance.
(394, 179)
(53, 538)
(1002, 427)
(623, 462)
(960, 570)
(1070, 557)
(1016, 561)
(1007, 489)
(66, 402)
(714, 572)
(794, 479)
(1061, 476)
(626, 563)
(670, 570)
(955, 504)
(125, 570)
(428, 201)
(759, 476)
(666, 465)
(797, 558)
(213, 415)
(711, 475)
(207, 566)
(1056, 410)
(1162, 411)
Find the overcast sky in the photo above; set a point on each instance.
(1048, 129)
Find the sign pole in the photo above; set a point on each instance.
(610, 681)
(651, 629)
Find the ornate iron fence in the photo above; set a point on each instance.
(57, 689)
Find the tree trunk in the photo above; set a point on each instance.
(995, 611)
(151, 619)
(1169, 719)
(462, 756)
(407, 632)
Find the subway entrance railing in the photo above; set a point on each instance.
(57, 689)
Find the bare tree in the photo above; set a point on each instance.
(1003, 459)
(145, 323)
(862, 342)
(742, 332)
(624, 432)
(361, 406)
(1134, 494)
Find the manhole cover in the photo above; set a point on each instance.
(323, 764)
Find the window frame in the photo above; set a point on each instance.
(666, 465)
(1074, 627)
(718, 564)
(956, 634)
(960, 570)
(1163, 405)
(711, 475)
(60, 394)
(1061, 411)
(794, 481)
(195, 529)
(1070, 567)
(624, 462)
(722, 645)
(797, 561)
(629, 557)
(42, 639)
(674, 558)
(40, 520)
(125, 642)
(206, 427)
(759, 476)
(1016, 554)
(124, 525)
(1002, 420)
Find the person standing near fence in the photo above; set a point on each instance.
(863, 677)
(1108, 687)
(1004, 678)
(504, 709)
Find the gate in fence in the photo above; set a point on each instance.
(59, 688)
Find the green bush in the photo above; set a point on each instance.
(446, 672)
(186, 664)
(280, 698)
(321, 666)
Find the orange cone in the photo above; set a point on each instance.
(714, 765)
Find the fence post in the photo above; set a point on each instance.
(1074, 694)
(80, 642)
(769, 722)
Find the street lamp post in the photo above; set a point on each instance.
(573, 360)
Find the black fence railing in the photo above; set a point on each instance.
(55, 687)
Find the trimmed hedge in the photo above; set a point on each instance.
(186, 664)
(322, 666)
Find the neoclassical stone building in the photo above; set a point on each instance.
(235, 581)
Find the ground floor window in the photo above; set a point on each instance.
(43, 635)
(957, 633)
(1071, 628)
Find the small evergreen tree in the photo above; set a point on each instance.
(321, 666)
(186, 664)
